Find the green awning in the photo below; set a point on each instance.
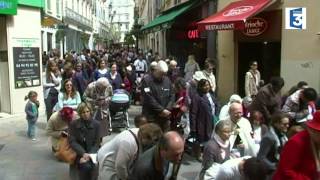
(167, 17)
(8, 7)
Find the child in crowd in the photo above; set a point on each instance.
(32, 114)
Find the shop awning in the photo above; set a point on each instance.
(8, 7)
(234, 15)
(167, 17)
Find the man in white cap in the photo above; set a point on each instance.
(158, 96)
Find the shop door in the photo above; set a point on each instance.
(267, 54)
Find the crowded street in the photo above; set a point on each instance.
(159, 90)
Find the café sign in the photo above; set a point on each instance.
(255, 26)
(8, 7)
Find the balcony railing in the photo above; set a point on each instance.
(78, 19)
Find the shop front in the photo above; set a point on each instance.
(20, 60)
(247, 31)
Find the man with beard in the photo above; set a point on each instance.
(158, 96)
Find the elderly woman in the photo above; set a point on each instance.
(68, 96)
(98, 94)
(217, 149)
(84, 139)
(117, 157)
(208, 73)
(58, 125)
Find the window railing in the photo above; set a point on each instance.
(79, 19)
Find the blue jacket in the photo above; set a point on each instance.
(31, 110)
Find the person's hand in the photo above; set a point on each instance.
(123, 85)
(86, 156)
(240, 146)
(64, 134)
(184, 109)
(83, 160)
(165, 113)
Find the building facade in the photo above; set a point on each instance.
(75, 25)
(20, 53)
(120, 17)
(290, 53)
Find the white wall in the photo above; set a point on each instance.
(18, 26)
(300, 58)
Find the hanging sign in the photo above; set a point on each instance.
(255, 26)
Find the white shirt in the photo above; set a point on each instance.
(141, 65)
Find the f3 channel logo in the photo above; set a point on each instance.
(296, 18)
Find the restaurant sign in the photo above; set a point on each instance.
(255, 26)
(8, 7)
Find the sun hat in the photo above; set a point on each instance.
(315, 122)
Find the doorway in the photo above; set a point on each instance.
(268, 56)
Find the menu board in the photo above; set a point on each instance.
(26, 66)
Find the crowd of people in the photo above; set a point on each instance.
(264, 135)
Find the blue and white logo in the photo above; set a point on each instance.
(296, 18)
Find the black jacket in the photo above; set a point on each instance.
(157, 96)
(84, 138)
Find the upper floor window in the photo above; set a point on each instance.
(58, 7)
(48, 3)
(177, 2)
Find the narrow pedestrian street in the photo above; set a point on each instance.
(23, 159)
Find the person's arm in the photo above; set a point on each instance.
(50, 129)
(209, 156)
(194, 108)
(287, 108)
(263, 99)
(87, 95)
(265, 146)
(73, 140)
(149, 100)
(60, 101)
(122, 160)
(172, 99)
(29, 112)
(246, 85)
(96, 140)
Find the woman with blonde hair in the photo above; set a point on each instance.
(190, 68)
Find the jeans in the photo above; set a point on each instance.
(31, 129)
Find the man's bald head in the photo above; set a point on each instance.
(171, 146)
(235, 111)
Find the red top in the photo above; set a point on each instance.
(297, 160)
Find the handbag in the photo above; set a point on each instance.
(65, 153)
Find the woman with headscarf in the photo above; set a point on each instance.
(217, 150)
(58, 125)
